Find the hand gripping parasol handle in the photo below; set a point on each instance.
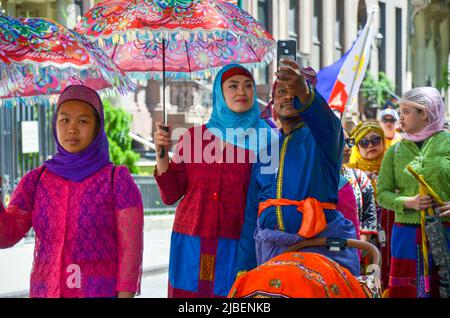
(422, 181)
(162, 154)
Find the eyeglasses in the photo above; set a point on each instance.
(388, 120)
(374, 140)
(350, 142)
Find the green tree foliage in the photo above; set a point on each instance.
(117, 126)
(444, 83)
(377, 92)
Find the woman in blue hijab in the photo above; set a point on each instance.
(210, 172)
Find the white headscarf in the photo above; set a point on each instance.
(430, 100)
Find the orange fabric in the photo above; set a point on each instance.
(298, 275)
(313, 221)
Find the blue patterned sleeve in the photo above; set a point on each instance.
(324, 125)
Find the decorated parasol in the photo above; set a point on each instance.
(40, 57)
(177, 38)
(200, 36)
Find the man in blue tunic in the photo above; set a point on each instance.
(298, 200)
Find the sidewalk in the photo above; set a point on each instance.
(16, 262)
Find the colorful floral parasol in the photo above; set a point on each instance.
(10, 76)
(40, 57)
(200, 36)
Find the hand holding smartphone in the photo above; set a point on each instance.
(292, 76)
(286, 49)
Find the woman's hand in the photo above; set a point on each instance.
(162, 138)
(445, 210)
(419, 203)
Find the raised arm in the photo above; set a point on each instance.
(325, 127)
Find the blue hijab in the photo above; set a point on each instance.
(223, 117)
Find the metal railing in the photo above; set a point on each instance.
(150, 195)
(13, 162)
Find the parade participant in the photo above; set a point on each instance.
(363, 192)
(426, 147)
(298, 200)
(369, 149)
(389, 121)
(87, 213)
(367, 155)
(209, 217)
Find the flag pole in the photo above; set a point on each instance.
(366, 37)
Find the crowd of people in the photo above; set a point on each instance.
(330, 182)
(250, 184)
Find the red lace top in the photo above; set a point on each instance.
(89, 234)
(213, 193)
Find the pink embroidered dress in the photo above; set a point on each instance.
(89, 234)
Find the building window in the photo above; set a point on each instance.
(339, 30)
(398, 51)
(293, 18)
(362, 14)
(263, 16)
(382, 47)
(316, 61)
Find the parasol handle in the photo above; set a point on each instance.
(162, 154)
(426, 271)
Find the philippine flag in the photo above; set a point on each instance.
(339, 83)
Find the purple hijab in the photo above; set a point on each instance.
(79, 166)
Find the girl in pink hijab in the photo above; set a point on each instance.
(429, 117)
(426, 147)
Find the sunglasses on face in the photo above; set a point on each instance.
(350, 142)
(389, 120)
(365, 142)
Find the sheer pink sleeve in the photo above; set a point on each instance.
(15, 220)
(130, 231)
(14, 224)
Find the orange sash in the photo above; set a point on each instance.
(313, 221)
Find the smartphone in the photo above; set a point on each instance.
(286, 49)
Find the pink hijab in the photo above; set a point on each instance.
(430, 100)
